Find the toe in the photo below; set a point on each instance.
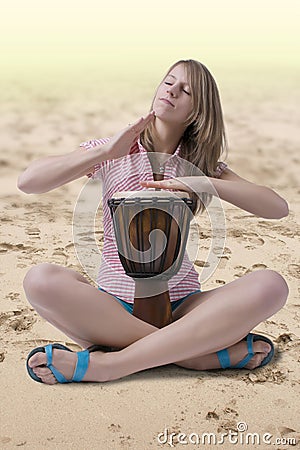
(45, 374)
(256, 360)
(261, 350)
(38, 359)
(48, 379)
(41, 371)
(261, 347)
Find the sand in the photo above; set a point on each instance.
(263, 130)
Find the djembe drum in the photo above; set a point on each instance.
(151, 230)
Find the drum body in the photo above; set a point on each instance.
(151, 230)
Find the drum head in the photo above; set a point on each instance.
(151, 193)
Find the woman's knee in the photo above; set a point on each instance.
(41, 280)
(271, 288)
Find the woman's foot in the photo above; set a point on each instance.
(237, 353)
(65, 362)
(98, 369)
(260, 348)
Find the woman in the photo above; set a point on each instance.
(210, 329)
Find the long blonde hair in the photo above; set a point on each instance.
(204, 139)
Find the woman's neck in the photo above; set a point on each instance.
(166, 137)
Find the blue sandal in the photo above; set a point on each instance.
(83, 358)
(224, 359)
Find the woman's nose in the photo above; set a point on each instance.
(171, 90)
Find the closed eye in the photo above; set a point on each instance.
(171, 84)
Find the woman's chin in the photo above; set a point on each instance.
(162, 116)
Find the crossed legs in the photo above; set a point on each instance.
(205, 323)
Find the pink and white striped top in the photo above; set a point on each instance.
(124, 174)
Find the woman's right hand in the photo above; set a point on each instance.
(51, 172)
(121, 143)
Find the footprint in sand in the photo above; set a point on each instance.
(251, 239)
(7, 247)
(280, 229)
(284, 338)
(5, 439)
(13, 296)
(201, 263)
(287, 342)
(30, 255)
(282, 258)
(33, 232)
(25, 252)
(226, 418)
(289, 232)
(59, 255)
(294, 270)
(5, 219)
(243, 270)
(115, 428)
(18, 320)
(125, 441)
(256, 267)
(223, 261)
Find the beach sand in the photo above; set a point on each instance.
(263, 131)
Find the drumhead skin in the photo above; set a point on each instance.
(150, 193)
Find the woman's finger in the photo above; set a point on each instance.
(138, 126)
(164, 184)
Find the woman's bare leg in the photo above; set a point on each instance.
(220, 318)
(69, 302)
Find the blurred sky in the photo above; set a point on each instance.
(118, 37)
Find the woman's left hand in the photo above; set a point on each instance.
(173, 184)
(187, 184)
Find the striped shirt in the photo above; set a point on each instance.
(124, 174)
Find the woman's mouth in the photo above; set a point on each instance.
(165, 100)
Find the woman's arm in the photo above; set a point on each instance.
(259, 200)
(51, 172)
(256, 199)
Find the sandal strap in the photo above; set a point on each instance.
(80, 369)
(82, 364)
(224, 359)
(250, 354)
(58, 375)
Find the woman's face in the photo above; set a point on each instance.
(173, 100)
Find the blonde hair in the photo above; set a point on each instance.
(204, 139)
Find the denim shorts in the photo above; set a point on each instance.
(129, 306)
